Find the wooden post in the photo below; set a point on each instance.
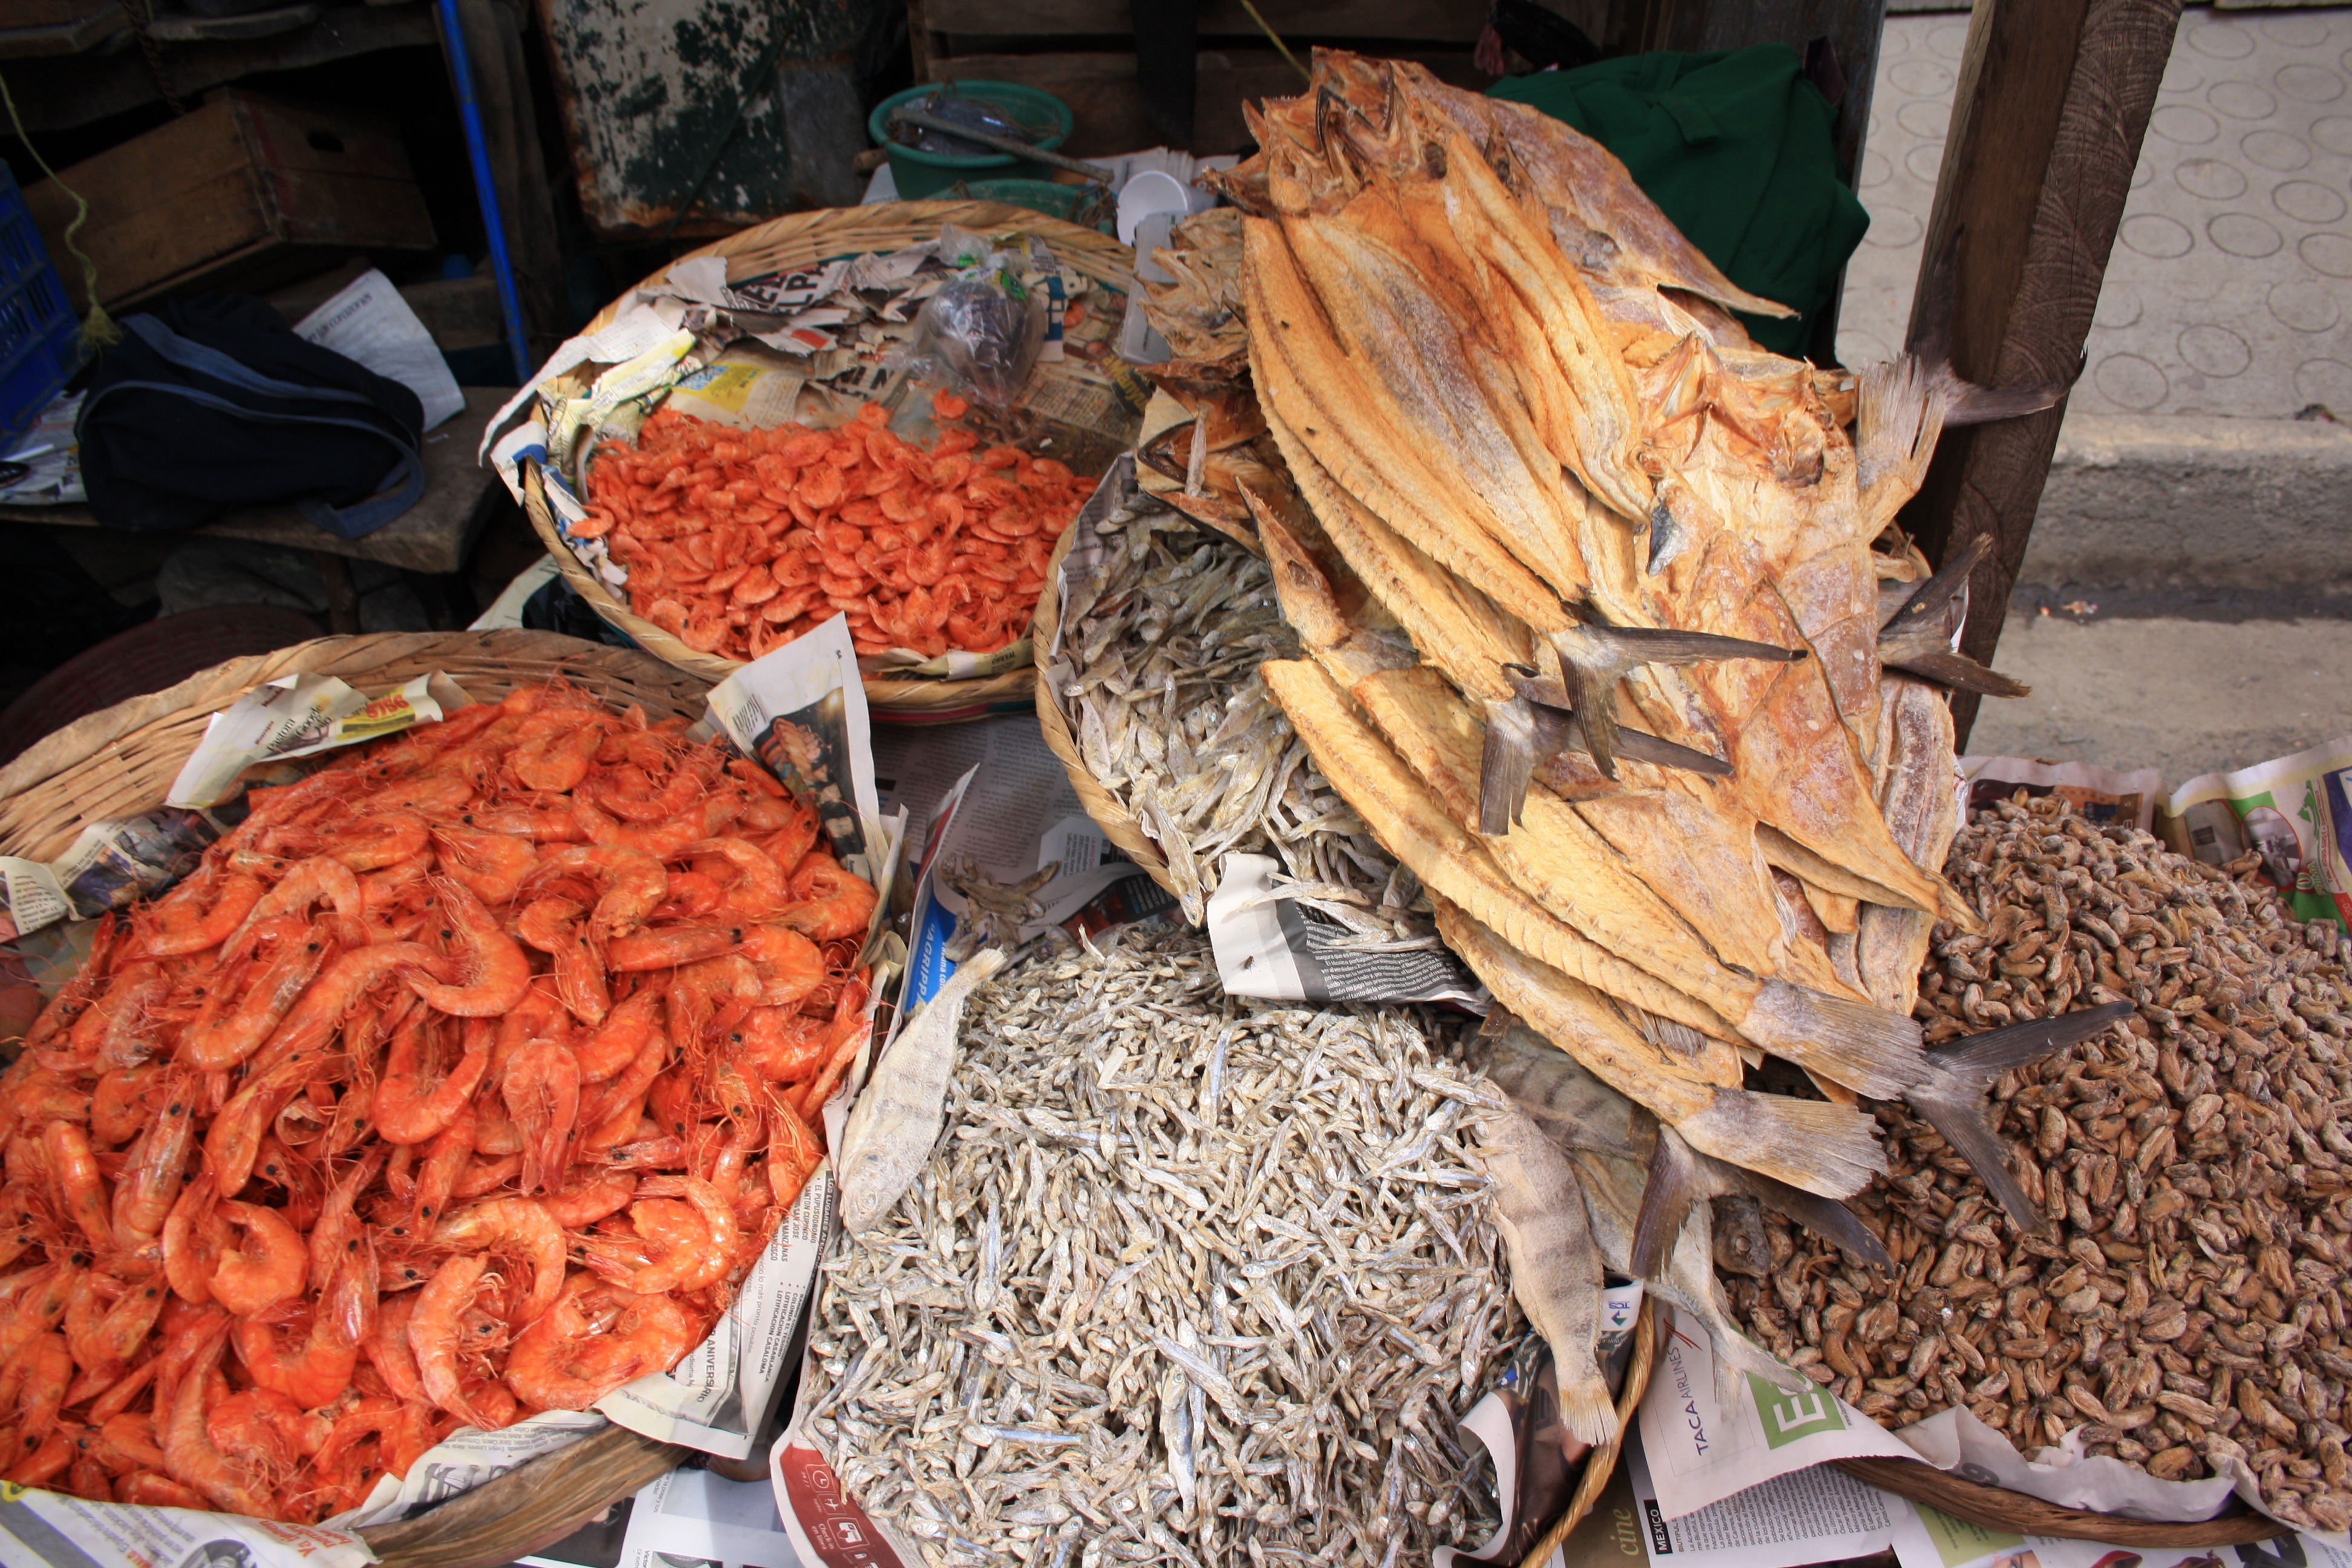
(2053, 98)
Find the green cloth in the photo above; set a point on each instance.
(1735, 148)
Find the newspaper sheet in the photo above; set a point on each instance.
(51, 454)
(109, 866)
(298, 716)
(687, 1519)
(2102, 794)
(801, 711)
(2293, 811)
(1817, 1515)
(370, 322)
(1008, 851)
(1710, 1434)
(50, 1530)
(1928, 1537)
(1273, 946)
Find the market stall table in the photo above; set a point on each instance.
(433, 536)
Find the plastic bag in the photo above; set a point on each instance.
(982, 331)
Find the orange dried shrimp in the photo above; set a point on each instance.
(465, 1078)
(739, 540)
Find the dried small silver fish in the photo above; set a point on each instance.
(1188, 1278)
(1158, 680)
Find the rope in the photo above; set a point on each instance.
(98, 329)
(153, 53)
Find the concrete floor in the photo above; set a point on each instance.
(2185, 696)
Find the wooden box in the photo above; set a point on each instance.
(247, 190)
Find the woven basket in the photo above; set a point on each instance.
(1117, 823)
(803, 240)
(121, 761)
(530, 1508)
(1602, 1463)
(1998, 1508)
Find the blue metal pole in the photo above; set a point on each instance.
(485, 189)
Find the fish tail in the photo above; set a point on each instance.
(1506, 764)
(1829, 1218)
(1666, 1200)
(1814, 1144)
(1585, 1408)
(1865, 1047)
(1952, 1097)
(1958, 671)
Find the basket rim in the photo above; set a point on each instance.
(123, 736)
(1999, 1507)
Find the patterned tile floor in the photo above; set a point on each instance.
(2229, 290)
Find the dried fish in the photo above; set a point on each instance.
(1161, 683)
(1048, 1340)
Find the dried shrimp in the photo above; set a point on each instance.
(363, 1132)
(737, 541)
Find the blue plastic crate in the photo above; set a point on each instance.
(40, 341)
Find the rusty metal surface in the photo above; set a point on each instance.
(648, 88)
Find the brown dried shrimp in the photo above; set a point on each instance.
(467, 1078)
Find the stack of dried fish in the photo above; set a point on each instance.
(1189, 1279)
(2183, 1306)
(1587, 587)
(1157, 674)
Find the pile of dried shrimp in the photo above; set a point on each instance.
(739, 540)
(467, 1078)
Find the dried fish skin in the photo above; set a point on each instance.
(891, 1129)
(1922, 810)
(1046, 1351)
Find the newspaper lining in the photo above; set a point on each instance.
(2295, 811)
(300, 716)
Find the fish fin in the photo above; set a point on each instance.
(1960, 672)
(1640, 746)
(1974, 405)
(1665, 1202)
(1628, 646)
(1585, 1408)
(1515, 742)
(1823, 1148)
(1953, 1098)
(1829, 1218)
(1865, 1048)
(1928, 602)
(1592, 698)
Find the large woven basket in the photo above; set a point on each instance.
(121, 761)
(802, 239)
(1118, 824)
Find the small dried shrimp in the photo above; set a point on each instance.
(739, 540)
(467, 1078)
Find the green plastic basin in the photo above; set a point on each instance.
(920, 173)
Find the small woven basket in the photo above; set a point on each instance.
(1601, 1464)
(121, 761)
(804, 239)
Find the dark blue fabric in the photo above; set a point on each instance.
(213, 403)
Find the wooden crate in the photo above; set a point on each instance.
(248, 190)
(1071, 49)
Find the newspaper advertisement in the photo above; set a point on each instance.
(1710, 1433)
(687, 1519)
(298, 716)
(2292, 812)
(2101, 794)
(1008, 853)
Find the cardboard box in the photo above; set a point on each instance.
(246, 192)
